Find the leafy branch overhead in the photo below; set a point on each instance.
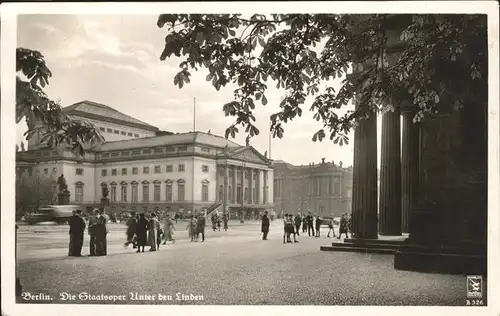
(45, 117)
(436, 61)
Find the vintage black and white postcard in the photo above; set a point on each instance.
(306, 156)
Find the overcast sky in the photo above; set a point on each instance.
(114, 60)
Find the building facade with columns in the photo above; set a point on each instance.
(324, 188)
(143, 172)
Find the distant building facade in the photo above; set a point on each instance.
(147, 170)
(325, 188)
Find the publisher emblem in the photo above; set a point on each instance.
(474, 286)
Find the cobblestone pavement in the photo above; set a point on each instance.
(232, 267)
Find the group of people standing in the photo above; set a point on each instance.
(310, 224)
(97, 229)
(142, 232)
(216, 220)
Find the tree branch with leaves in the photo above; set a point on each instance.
(441, 63)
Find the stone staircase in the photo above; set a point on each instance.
(213, 208)
(379, 246)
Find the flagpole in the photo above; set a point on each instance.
(194, 114)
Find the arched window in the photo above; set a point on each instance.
(113, 192)
(181, 190)
(168, 195)
(145, 191)
(156, 192)
(79, 191)
(135, 191)
(123, 191)
(204, 190)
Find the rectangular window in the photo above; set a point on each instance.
(130, 134)
(146, 151)
(157, 169)
(136, 153)
(125, 153)
(136, 135)
(124, 193)
(205, 149)
(134, 193)
(46, 171)
(204, 193)
(105, 155)
(117, 131)
(204, 168)
(102, 129)
(182, 148)
(123, 133)
(79, 171)
(145, 170)
(156, 194)
(124, 171)
(158, 150)
(180, 168)
(169, 192)
(113, 172)
(109, 130)
(170, 149)
(145, 192)
(104, 172)
(79, 193)
(113, 193)
(180, 193)
(115, 154)
(135, 170)
(46, 153)
(170, 168)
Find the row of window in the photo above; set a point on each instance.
(148, 151)
(145, 170)
(45, 171)
(237, 199)
(156, 191)
(321, 186)
(118, 132)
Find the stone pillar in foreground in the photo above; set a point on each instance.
(390, 175)
(364, 198)
(409, 166)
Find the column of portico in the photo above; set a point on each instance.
(250, 186)
(390, 175)
(409, 165)
(226, 181)
(234, 200)
(265, 187)
(243, 185)
(257, 186)
(364, 197)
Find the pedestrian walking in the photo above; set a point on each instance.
(225, 218)
(92, 230)
(330, 228)
(213, 219)
(298, 221)
(310, 225)
(101, 229)
(191, 228)
(76, 232)
(291, 228)
(265, 226)
(131, 224)
(304, 224)
(141, 231)
(153, 230)
(200, 227)
(168, 230)
(343, 226)
(318, 226)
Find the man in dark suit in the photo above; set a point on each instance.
(200, 227)
(310, 224)
(298, 221)
(76, 229)
(265, 226)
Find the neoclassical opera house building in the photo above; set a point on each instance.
(147, 170)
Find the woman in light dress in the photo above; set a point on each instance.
(154, 227)
(168, 230)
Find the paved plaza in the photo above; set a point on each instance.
(232, 267)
